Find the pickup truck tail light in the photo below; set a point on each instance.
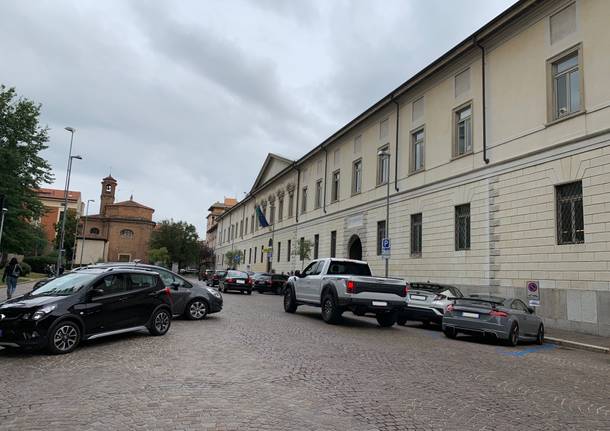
(407, 287)
(496, 313)
(350, 286)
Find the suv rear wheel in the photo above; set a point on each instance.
(160, 322)
(331, 313)
(64, 338)
(386, 320)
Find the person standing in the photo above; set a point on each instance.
(12, 272)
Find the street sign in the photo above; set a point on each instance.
(533, 293)
(269, 255)
(385, 248)
(237, 258)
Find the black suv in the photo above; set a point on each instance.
(84, 305)
(191, 300)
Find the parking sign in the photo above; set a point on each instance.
(385, 248)
(533, 293)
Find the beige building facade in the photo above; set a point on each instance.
(499, 172)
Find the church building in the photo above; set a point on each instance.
(119, 233)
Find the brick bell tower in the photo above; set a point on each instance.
(107, 197)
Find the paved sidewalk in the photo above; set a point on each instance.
(578, 340)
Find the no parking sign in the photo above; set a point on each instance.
(533, 293)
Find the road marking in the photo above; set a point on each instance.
(526, 351)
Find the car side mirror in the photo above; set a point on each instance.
(532, 310)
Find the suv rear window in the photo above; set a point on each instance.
(338, 267)
(237, 274)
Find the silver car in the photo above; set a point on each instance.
(426, 302)
(506, 319)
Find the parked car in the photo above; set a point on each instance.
(270, 283)
(192, 300)
(236, 280)
(338, 285)
(204, 275)
(507, 319)
(84, 305)
(215, 278)
(426, 302)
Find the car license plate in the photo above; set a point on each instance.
(473, 315)
(380, 303)
(418, 297)
(241, 282)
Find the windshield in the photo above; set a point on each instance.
(338, 267)
(66, 285)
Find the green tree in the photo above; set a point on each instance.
(180, 240)
(302, 249)
(159, 256)
(232, 257)
(70, 234)
(22, 170)
(206, 254)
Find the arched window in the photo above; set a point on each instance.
(94, 231)
(126, 233)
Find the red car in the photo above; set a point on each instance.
(215, 278)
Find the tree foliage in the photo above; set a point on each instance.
(69, 235)
(302, 249)
(180, 239)
(159, 256)
(234, 257)
(23, 170)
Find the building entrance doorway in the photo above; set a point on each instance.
(355, 248)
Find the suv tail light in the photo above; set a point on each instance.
(248, 280)
(230, 280)
(350, 286)
(496, 313)
(168, 292)
(450, 308)
(407, 287)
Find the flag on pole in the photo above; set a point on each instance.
(261, 217)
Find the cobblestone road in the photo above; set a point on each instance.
(254, 367)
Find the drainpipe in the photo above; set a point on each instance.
(325, 177)
(485, 158)
(396, 152)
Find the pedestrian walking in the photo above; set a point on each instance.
(12, 272)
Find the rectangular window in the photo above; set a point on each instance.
(262, 252)
(566, 85)
(334, 193)
(250, 255)
(463, 130)
(417, 150)
(254, 254)
(271, 214)
(333, 243)
(252, 224)
(241, 228)
(318, 196)
(570, 217)
(279, 251)
(304, 200)
(290, 204)
(246, 226)
(380, 235)
(462, 227)
(416, 234)
(288, 250)
(280, 209)
(384, 129)
(383, 167)
(301, 245)
(357, 177)
(316, 245)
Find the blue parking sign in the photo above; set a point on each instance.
(385, 247)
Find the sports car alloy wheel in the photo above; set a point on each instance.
(65, 338)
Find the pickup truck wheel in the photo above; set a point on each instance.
(290, 304)
(386, 320)
(331, 313)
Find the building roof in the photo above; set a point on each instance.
(45, 193)
(109, 178)
(130, 203)
(228, 203)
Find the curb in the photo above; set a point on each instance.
(577, 345)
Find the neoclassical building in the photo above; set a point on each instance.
(498, 171)
(119, 233)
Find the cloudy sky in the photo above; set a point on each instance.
(183, 100)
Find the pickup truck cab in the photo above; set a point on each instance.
(339, 285)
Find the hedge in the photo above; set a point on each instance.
(39, 263)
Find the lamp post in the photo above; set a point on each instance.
(385, 153)
(63, 219)
(82, 248)
(4, 210)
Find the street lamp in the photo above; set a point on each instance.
(4, 210)
(82, 248)
(385, 153)
(63, 219)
